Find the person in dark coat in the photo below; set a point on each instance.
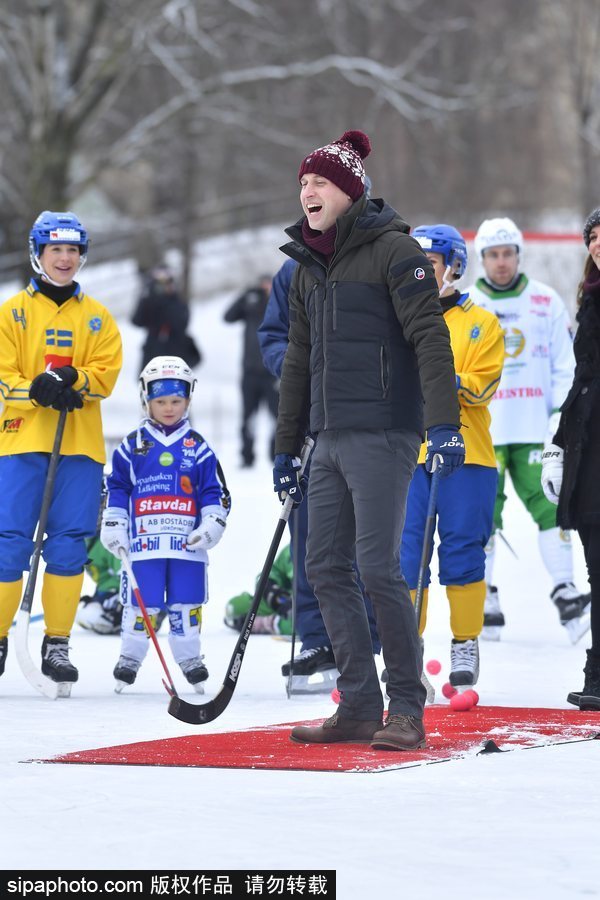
(314, 667)
(570, 463)
(258, 385)
(368, 369)
(165, 314)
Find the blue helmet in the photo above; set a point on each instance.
(56, 228)
(445, 240)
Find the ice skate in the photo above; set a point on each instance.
(493, 617)
(573, 609)
(125, 672)
(56, 664)
(464, 664)
(314, 671)
(3, 654)
(589, 697)
(195, 672)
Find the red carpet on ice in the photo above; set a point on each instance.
(450, 735)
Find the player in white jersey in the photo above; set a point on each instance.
(537, 374)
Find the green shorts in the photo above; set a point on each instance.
(523, 462)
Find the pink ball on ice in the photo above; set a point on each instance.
(448, 691)
(461, 702)
(433, 666)
(473, 695)
(335, 695)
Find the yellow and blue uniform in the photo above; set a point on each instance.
(37, 333)
(466, 500)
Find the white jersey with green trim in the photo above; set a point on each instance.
(538, 360)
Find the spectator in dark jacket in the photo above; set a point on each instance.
(570, 462)
(165, 314)
(313, 669)
(368, 367)
(258, 386)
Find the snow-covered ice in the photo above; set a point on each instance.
(522, 825)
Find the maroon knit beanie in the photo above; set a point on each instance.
(341, 162)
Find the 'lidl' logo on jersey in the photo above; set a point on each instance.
(514, 342)
(145, 544)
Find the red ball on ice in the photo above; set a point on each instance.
(461, 702)
(448, 690)
(335, 695)
(433, 666)
(473, 695)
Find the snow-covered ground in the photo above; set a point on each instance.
(522, 825)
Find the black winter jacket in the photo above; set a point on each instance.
(368, 342)
(579, 429)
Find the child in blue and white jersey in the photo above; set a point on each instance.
(167, 506)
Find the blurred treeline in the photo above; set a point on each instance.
(161, 121)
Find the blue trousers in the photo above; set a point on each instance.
(465, 511)
(169, 581)
(72, 518)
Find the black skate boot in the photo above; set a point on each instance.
(589, 697)
(313, 672)
(3, 654)
(195, 672)
(125, 672)
(573, 609)
(56, 664)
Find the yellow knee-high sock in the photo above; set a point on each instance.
(60, 597)
(423, 622)
(466, 609)
(10, 597)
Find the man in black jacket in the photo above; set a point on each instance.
(368, 367)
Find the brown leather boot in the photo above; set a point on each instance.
(337, 729)
(400, 733)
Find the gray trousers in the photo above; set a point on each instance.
(358, 487)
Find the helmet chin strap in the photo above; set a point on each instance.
(448, 281)
(38, 268)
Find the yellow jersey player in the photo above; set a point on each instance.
(61, 350)
(465, 503)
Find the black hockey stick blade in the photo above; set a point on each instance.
(202, 713)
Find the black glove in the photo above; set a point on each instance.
(46, 387)
(68, 399)
(276, 597)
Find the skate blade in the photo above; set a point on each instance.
(576, 628)
(63, 688)
(491, 632)
(198, 688)
(317, 683)
(120, 685)
(429, 688)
